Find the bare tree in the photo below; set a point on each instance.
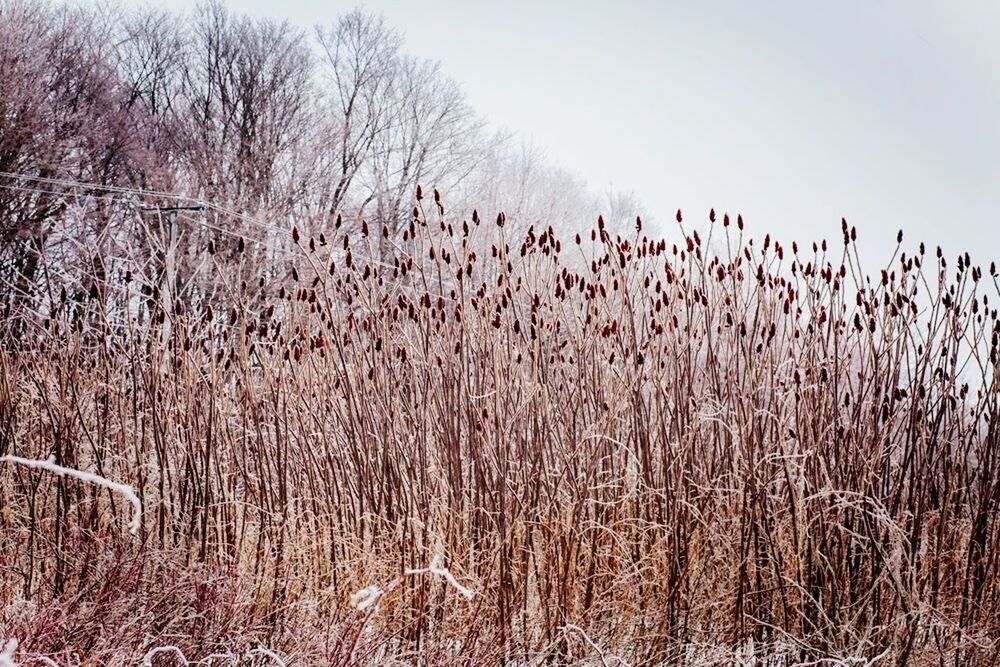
(620, 208)
(150, 61)
(360, 60)
(246, 87)
(60, 118)
(434, 138)
(520, 182)
(240, 135)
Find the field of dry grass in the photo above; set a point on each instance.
(475, 447)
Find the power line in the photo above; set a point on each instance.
(195, 204)
(194, 201)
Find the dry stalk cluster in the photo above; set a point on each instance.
(634, 451)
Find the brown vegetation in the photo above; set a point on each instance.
(681, 451)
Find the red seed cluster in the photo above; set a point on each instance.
(677, 442)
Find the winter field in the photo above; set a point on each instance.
(269, 396)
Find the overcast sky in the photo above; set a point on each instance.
(886, 112)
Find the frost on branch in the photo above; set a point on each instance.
(124, 489)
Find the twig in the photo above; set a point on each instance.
(124, 489)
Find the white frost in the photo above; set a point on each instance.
(124, 489)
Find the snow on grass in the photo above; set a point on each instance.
(369, 595)
(7, 655)
(124, 489)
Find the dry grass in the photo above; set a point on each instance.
(723, 452)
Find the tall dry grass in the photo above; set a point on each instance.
(715, 452)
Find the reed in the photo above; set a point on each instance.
(703, 449)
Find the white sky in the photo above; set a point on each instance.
(794, 113)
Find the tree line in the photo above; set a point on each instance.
(132, 140)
